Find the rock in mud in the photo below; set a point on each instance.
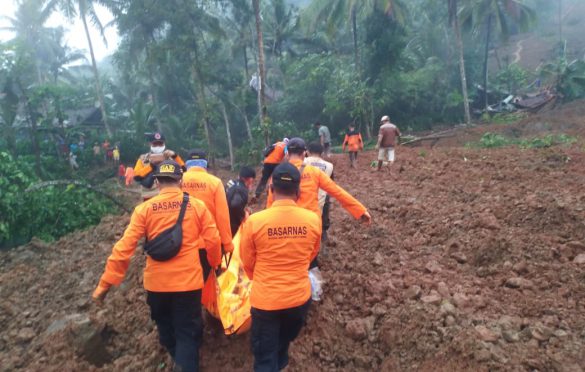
(518, 282)
(431, 299)
(460, 300)
(541, 333)
(413, 292)
(482, 355)
(447, 308)
(580, 259)
(520, 267)
(459, 257)
(358, 329)
(485, 334)
(89, 341)
(26, 334)
(443, 289)
(510, 336)
(432, 267)
(378, 259)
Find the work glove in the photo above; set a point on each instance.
(101, 291)
(366, 218)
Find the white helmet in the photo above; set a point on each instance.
(384, 119)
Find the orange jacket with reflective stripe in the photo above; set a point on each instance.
(353, 141)
(276, 248)
(209, 189)
(314, 179)
(182, 272)
(277, 155)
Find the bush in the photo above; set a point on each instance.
(48, 212)
(492, 140)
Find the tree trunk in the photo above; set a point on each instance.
(356, 54)
(202, 101)
(229, 134)
(462, 73)
(33, 136)
(262, 110)
(485, 61)
(98, 86)
(246, 64)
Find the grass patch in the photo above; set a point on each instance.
(508, 118)
(494, 140)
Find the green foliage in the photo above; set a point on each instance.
(507, 118)
(511, 79)
(547, 141)
(47, 213)
(494, 140)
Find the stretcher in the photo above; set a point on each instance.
(227, 295)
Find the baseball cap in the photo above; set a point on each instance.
(156, 136)
(296, 144)
(197, 154)
(286, 176)
(169, 168)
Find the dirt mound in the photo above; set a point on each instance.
(472, 263)
(566, 119)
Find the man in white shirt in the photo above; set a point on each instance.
(315, 151)
(324, 138)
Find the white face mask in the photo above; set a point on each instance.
(157, 149)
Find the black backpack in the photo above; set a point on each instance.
(268, 150)
(168, 243)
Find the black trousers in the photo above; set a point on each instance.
(272, 333)
(267, 170)
(178, 319)
(353, 155)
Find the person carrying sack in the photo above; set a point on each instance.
(175, 227)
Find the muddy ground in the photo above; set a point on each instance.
(475, 261)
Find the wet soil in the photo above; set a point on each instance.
(471, 263)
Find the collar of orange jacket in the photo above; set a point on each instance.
(171, 190)
(284, 202)
(296, 162)
(197, 169)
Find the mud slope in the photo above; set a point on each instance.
(471, 264)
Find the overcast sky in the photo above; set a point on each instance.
(74, 35)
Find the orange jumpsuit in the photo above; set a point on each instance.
(209, 189)
(313, 179)
(276, 247)
(353, 141)
(182, 272)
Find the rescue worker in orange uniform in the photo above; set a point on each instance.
(354, 143)
(173, 287)
(147, 163)
(273, 155)
(209, 189)
(314, 179)
(277, 245)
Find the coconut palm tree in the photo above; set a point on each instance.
(84, 9)
(28, 25)
(337, 13)
(454, 20)
(261, 73)
(498, 15)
